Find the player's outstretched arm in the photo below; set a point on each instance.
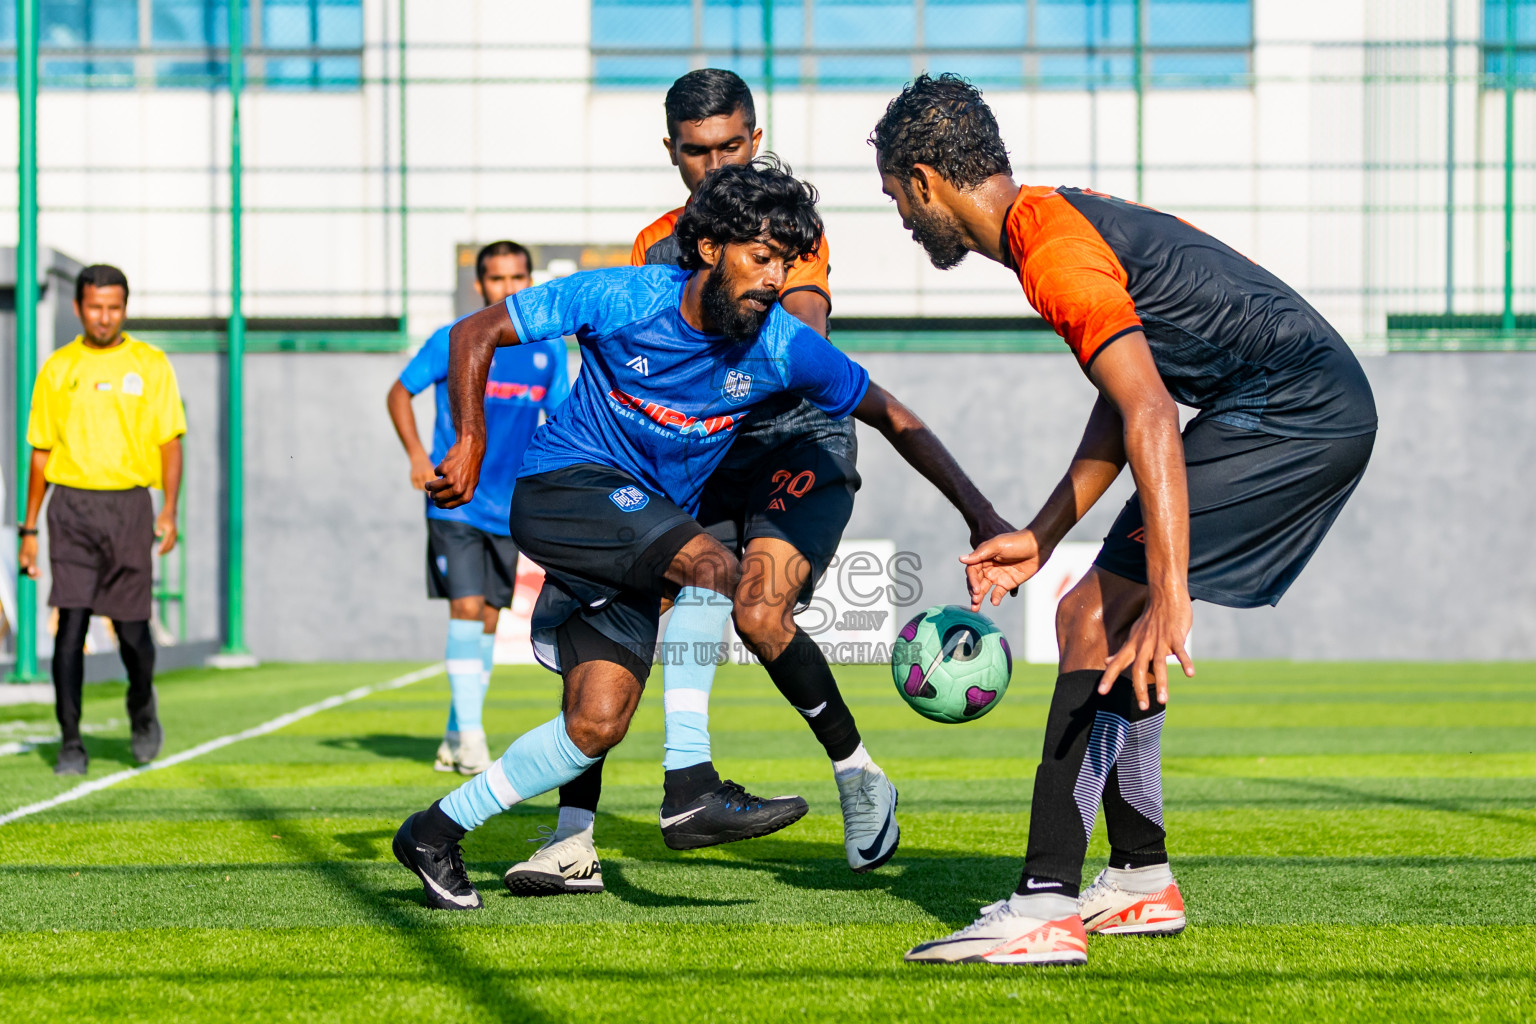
(471, 345)
(1127, 378)
(1004, 563)
(911, 437)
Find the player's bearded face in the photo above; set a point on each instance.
(938, 233)
(732, 306)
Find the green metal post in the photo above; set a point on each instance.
(768, 72)
(1450, 157)
(234, 610)
(1138, 59)
(405, 248)
(1509, 165)
(26, 317)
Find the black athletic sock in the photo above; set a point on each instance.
(435, 828)
(1084, 735)
(137, 649)
(69, 670)
(1133, 794)
(584, 790)
(684, 784)
(805, 679)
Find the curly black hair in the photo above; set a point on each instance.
(744, 202)
(942, 122)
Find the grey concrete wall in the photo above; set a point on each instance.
(1432, 558)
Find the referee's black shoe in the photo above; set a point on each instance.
(727, 814)
(440, 868)
(148, 737)
(73, 760)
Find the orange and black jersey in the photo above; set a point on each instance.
(1228, 337)
(656, 244)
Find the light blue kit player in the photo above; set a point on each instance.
(673, 358)
(471, 557)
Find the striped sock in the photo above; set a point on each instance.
(465, 673)
(697, 625)
(537, 761)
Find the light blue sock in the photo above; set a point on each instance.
(537, 761)
(465, 673)
(487, 663)
(696, 627)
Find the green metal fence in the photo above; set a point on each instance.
(1411, 194)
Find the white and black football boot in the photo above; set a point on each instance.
(441, 870)
(727, 814)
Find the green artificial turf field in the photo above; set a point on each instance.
(1355, 842)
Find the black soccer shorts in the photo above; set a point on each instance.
(792, 479)
(605, 542)
(466, 561)
(1259, 505)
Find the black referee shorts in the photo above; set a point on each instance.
(1259, 505)
(100, 550)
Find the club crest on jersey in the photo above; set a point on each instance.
(630, 499)
(737, 386)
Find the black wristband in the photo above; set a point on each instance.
(25, 531)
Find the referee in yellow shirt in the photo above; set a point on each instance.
(106, 426)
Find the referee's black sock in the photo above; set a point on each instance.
(805, 679)
(69, 670)
(137, 649)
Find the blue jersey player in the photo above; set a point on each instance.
(471, 557)
(673, 360)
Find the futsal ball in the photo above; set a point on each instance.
(951, 664)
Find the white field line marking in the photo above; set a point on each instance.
(97, 785)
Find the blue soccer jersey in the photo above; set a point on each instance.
(657, 398)
(524, 380)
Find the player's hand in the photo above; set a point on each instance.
(988, 525)
(1160, 631)
(458, 474)
(1001, 564)
(26, 556)
(165, 529)
(422, 470)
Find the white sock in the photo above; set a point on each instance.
(1048, 906)
(1152, 878)
(856, 761)
(573, 820)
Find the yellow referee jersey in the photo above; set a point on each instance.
(104, 413)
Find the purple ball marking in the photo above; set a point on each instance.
(1007, 652)
(976, 698)
(914, 683)
(909, 631)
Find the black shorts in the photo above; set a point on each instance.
(1259, 505)
(466, 561)
(99, 550)
(604, 542)
(797, 487)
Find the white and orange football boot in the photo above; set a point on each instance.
(1003, 936)
(1109, 907)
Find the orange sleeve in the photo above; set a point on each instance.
(811, 273)
(654, 232)
(1069, 273)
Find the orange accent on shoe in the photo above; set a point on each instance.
(1061, 936)
(1164, 905)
